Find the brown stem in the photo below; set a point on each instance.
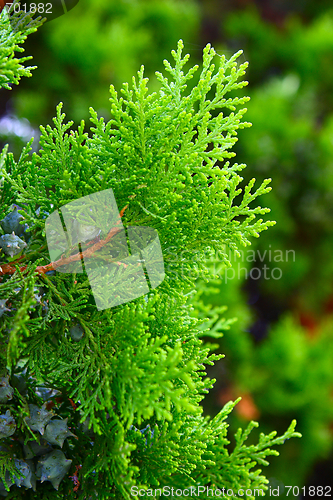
(9, 269)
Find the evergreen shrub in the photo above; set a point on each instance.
(95, 403)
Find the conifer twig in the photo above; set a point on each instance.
(89, 252)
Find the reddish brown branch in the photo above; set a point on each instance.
(9, 269)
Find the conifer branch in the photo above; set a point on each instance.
(63, 261)
(131, 377)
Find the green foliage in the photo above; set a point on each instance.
(291, 74)
(282, 362)
(136, 377)
(97, 43)
(14, 29)
(299, 372)
(287, 373)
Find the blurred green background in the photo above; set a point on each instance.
(279, 353)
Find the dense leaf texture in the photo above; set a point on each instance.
(137, 371)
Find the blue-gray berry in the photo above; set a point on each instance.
(57, 431)
(34, 449)
(3, 307)
(11, 244)
(39, 417)
(6, 391)
(12, 223)
(7, 425)
(76, 332)
(27, 477)
(53, 467)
